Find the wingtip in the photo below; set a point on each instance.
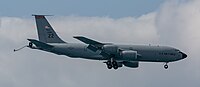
(77, 36)
(74, 36)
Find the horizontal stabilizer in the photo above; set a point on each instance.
(40, 44)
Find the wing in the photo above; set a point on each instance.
(88, 41)
(93, 45)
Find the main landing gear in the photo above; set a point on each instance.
(111, 64)
(166, 66)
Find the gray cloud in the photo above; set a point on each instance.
(174, 24)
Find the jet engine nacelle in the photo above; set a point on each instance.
(119, 64)
(131, 64)
(111, 49)
(129, 55)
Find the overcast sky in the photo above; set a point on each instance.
(160, 22)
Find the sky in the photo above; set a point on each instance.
(111, 8)
(159, 22)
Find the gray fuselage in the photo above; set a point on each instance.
(148, 53)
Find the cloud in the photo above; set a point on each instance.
(174, 24)
(127, 29)
(178, 25)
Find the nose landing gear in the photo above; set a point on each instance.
(166, 66)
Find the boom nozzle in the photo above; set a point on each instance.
(20, 48)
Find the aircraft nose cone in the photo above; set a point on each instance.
(183, 55)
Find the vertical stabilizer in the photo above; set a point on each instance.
(46, 33)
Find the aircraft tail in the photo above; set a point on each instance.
(46, 33)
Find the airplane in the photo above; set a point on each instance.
(113, 55)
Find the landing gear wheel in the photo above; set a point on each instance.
(166, 66)
(109, 65)
(30, 44)
(114, 63)
(108, 62)
(115, 66)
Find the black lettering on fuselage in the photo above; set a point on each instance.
(164, 53)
